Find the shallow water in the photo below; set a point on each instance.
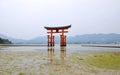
(69, 48)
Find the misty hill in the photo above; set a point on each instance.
(79, 39)
(14, 40)
(95, 39)
(37, 40)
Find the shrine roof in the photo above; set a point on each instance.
(58, 28)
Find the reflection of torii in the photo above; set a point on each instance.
(62, 53)
(51, 54)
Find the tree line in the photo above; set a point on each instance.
(5, 41)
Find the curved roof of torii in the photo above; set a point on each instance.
(58, 28)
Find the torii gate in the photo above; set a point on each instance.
(61, 30)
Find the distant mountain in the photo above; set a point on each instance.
(79, 39)
(95, 39)
(38, 40)
(14, 40)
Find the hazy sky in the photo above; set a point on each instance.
(26, 18)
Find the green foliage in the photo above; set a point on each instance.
(4, 41)
(108, 60)
(21, 74)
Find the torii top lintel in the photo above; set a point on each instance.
(58, 28)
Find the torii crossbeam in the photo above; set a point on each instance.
(62, 30)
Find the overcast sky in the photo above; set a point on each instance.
(26, 19)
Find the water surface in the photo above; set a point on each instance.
(57, 48)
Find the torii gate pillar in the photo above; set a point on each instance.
(52, 30)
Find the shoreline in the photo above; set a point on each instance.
(23, 45)
(100, 46)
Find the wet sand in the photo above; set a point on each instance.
(50, 63)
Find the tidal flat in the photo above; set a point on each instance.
(61, 63)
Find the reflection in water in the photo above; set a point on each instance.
(2, 48)
(62, 53)
(51, 55)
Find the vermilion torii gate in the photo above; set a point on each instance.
(62, 30)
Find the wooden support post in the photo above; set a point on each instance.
(61, 40)
(53, 41)
(51, 37)
(48, 40)
(64, 40)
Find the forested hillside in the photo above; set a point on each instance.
(5, 41)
